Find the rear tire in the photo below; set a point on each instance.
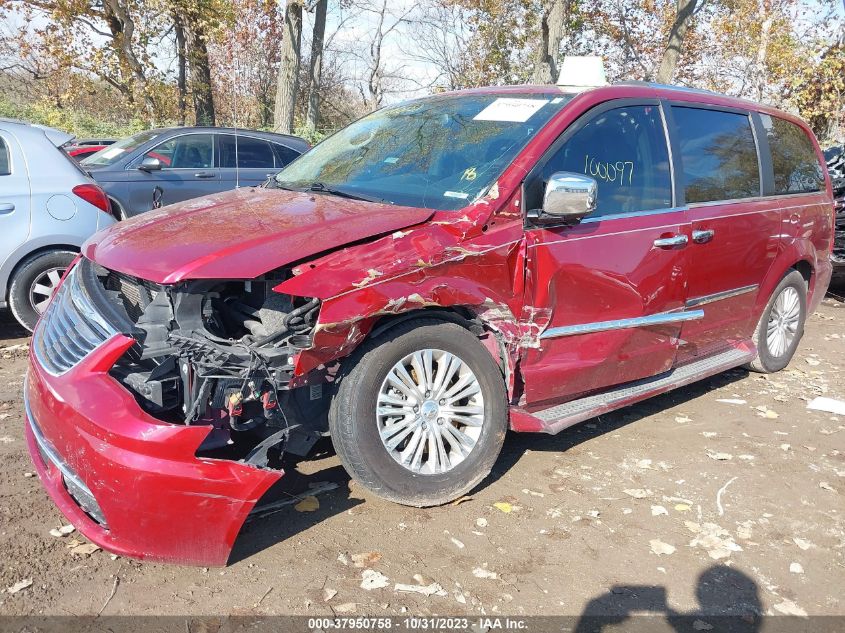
(781, 325)
(369, 413)
(34, 282)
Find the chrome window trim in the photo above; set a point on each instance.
(623, 324)
(718, 296)
(631, 214)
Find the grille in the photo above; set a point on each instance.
(71, 327)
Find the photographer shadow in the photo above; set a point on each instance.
(728, 601)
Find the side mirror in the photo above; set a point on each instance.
(150, 164)
(568, 198)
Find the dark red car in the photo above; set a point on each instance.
(433, 275)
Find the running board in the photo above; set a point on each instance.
(562, 416)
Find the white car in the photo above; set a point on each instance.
(48, 207)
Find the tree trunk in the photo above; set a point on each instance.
(200, 75)
(182, 78)
(315, 70)
(288, 84)
(122, 28)
(552, 27)
(672, 53)
(760, 74)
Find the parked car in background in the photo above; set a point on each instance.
(48, 208)
(163, 166)
(438, 272)
(836, 166)
(83, 148)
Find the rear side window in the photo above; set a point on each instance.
(796, 166)
(284, 154)
(252, 153)
(5, 162)
(718, 153)
(624, 149)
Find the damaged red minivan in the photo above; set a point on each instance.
(433, 275)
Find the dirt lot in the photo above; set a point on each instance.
(724, 497)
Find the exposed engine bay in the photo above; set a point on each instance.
(220, 353)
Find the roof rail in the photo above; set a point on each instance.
(654, 84)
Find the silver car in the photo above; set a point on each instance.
(48, 207)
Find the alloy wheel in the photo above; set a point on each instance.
(784, 320)
(430, 411)
(44, 287)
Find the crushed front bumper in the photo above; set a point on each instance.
(129, 482)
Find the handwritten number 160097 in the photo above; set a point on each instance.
(620, 171)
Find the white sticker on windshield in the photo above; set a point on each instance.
(112, 152)
(509, 109)
(455, 194)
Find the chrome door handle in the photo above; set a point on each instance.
(668, 242)
(702, 237)
(204, 174)
(6, 207)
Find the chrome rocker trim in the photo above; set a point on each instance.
(718, 296)
(622, 324)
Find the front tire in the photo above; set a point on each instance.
(420, 413)
(781, 325)
(34, 283)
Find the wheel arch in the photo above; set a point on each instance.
(29, 250)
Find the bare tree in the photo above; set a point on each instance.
(287, 86)
(441, 41)
(556, 14)
(379, 77)
(684, 13)
(315, 67)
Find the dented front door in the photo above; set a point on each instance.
(616, 282)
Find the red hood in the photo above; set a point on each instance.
(240, 234)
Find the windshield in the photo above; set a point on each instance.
(118, 150)
(440, 152)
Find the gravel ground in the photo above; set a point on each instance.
(723, 497)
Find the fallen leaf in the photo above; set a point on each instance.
(328, 594)
(481, 522)
(457, 543)
(308, 504)
(20, 585)
(346, 607)
(796, 568)
(503, 506)
(787, 607)
(719, 456)
(681, 507)
(682, 419)
(85, 549)
(461, 500)
(826, 486)
(434, 589)
(660, 548)
(480, 572)
(638, 493)
(802, 543)
(657, 511)
(365, 559)
(62, 531)
(372, 579)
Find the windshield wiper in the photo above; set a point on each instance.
(321, 187)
